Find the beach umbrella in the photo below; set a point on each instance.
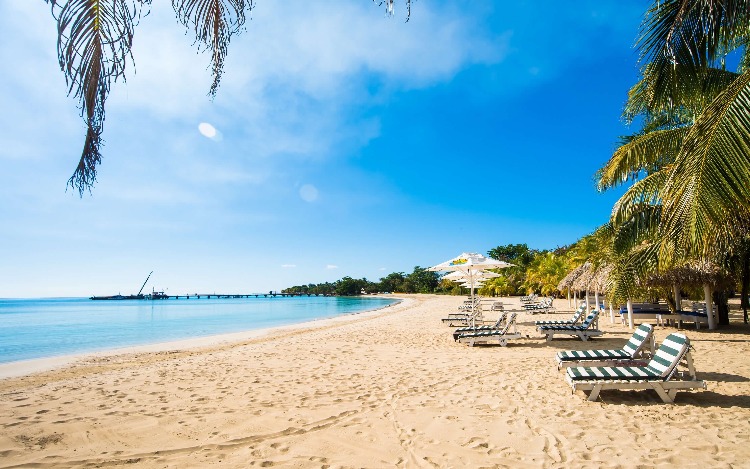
(471, 264)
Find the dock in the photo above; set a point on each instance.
(163, 296)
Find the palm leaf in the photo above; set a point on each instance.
(389, 7)
(644, 153)
(691, 33)
(94, 41)
(707, 195)
(643, 225)
(675, 89)
(646, 191)
(214, 23)
(626, 279)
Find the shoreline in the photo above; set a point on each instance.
(386, 388)
(21, 368)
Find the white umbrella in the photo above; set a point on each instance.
(458, 276)
(470, 264)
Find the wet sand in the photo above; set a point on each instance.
(383, 389)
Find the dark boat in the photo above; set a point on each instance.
(118, 297)
(157, 295)
(137, 296)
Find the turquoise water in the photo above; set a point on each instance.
(39, 328)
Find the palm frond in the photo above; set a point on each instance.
(643, 225)
(626, 279)
(675, 89)
(646, 191)
(689, 32)
(643, 154)
(214, 23)
(94, 42)
(707, 195)
(389, 7)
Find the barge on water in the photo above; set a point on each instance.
(137, 296)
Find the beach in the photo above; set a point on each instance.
(387, 388)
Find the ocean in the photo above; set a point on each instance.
(49, 327)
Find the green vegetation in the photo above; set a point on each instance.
(684, 220)
(419, 281)
(689, 200)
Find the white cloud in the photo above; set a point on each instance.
(332, 267)
(288, 266)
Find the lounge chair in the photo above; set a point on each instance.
(497, 336)
(633, 350)
(697, 315)
(543, 306)
(584, 331)
(660, 374)
(572, 321)
(642, 312)
(529, 298)
(497, 325)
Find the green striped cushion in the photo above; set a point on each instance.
(638, 339)
(628, 352)
(669, 354)
(585, 373)
(582, 327)
(503, 331)
(666, 358)
(582, 355)
(572, 320)
(468, 330)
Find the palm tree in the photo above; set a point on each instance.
(705, 195)
(95, 39)
(691, 162)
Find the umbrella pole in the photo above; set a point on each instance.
(596, 298)
(611, 313)
(588, 305)
(569, 297)
(630, 314)
(709, 306)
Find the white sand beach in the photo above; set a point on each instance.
(383, 389)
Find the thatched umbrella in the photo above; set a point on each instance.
(600, 282)
(567, 281)
(594, 278)
(583, 281)
(697, 273)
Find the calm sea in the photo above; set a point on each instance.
(39, 328)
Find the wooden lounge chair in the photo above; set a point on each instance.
(497, 325)
(572, 321)
(584, 331)
(633, 350)
(660, 374)
(497, 336)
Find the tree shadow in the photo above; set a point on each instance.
(722, 377)
(648, 397)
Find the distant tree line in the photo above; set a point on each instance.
(419, 281)
(534, 271)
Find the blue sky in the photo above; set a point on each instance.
(347, 143)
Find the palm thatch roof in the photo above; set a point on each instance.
(583, 281)
(568, 280)
(696, 272)
(600, 280)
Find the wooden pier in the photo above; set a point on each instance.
(162, 296)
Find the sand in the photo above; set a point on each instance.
(384, 389)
